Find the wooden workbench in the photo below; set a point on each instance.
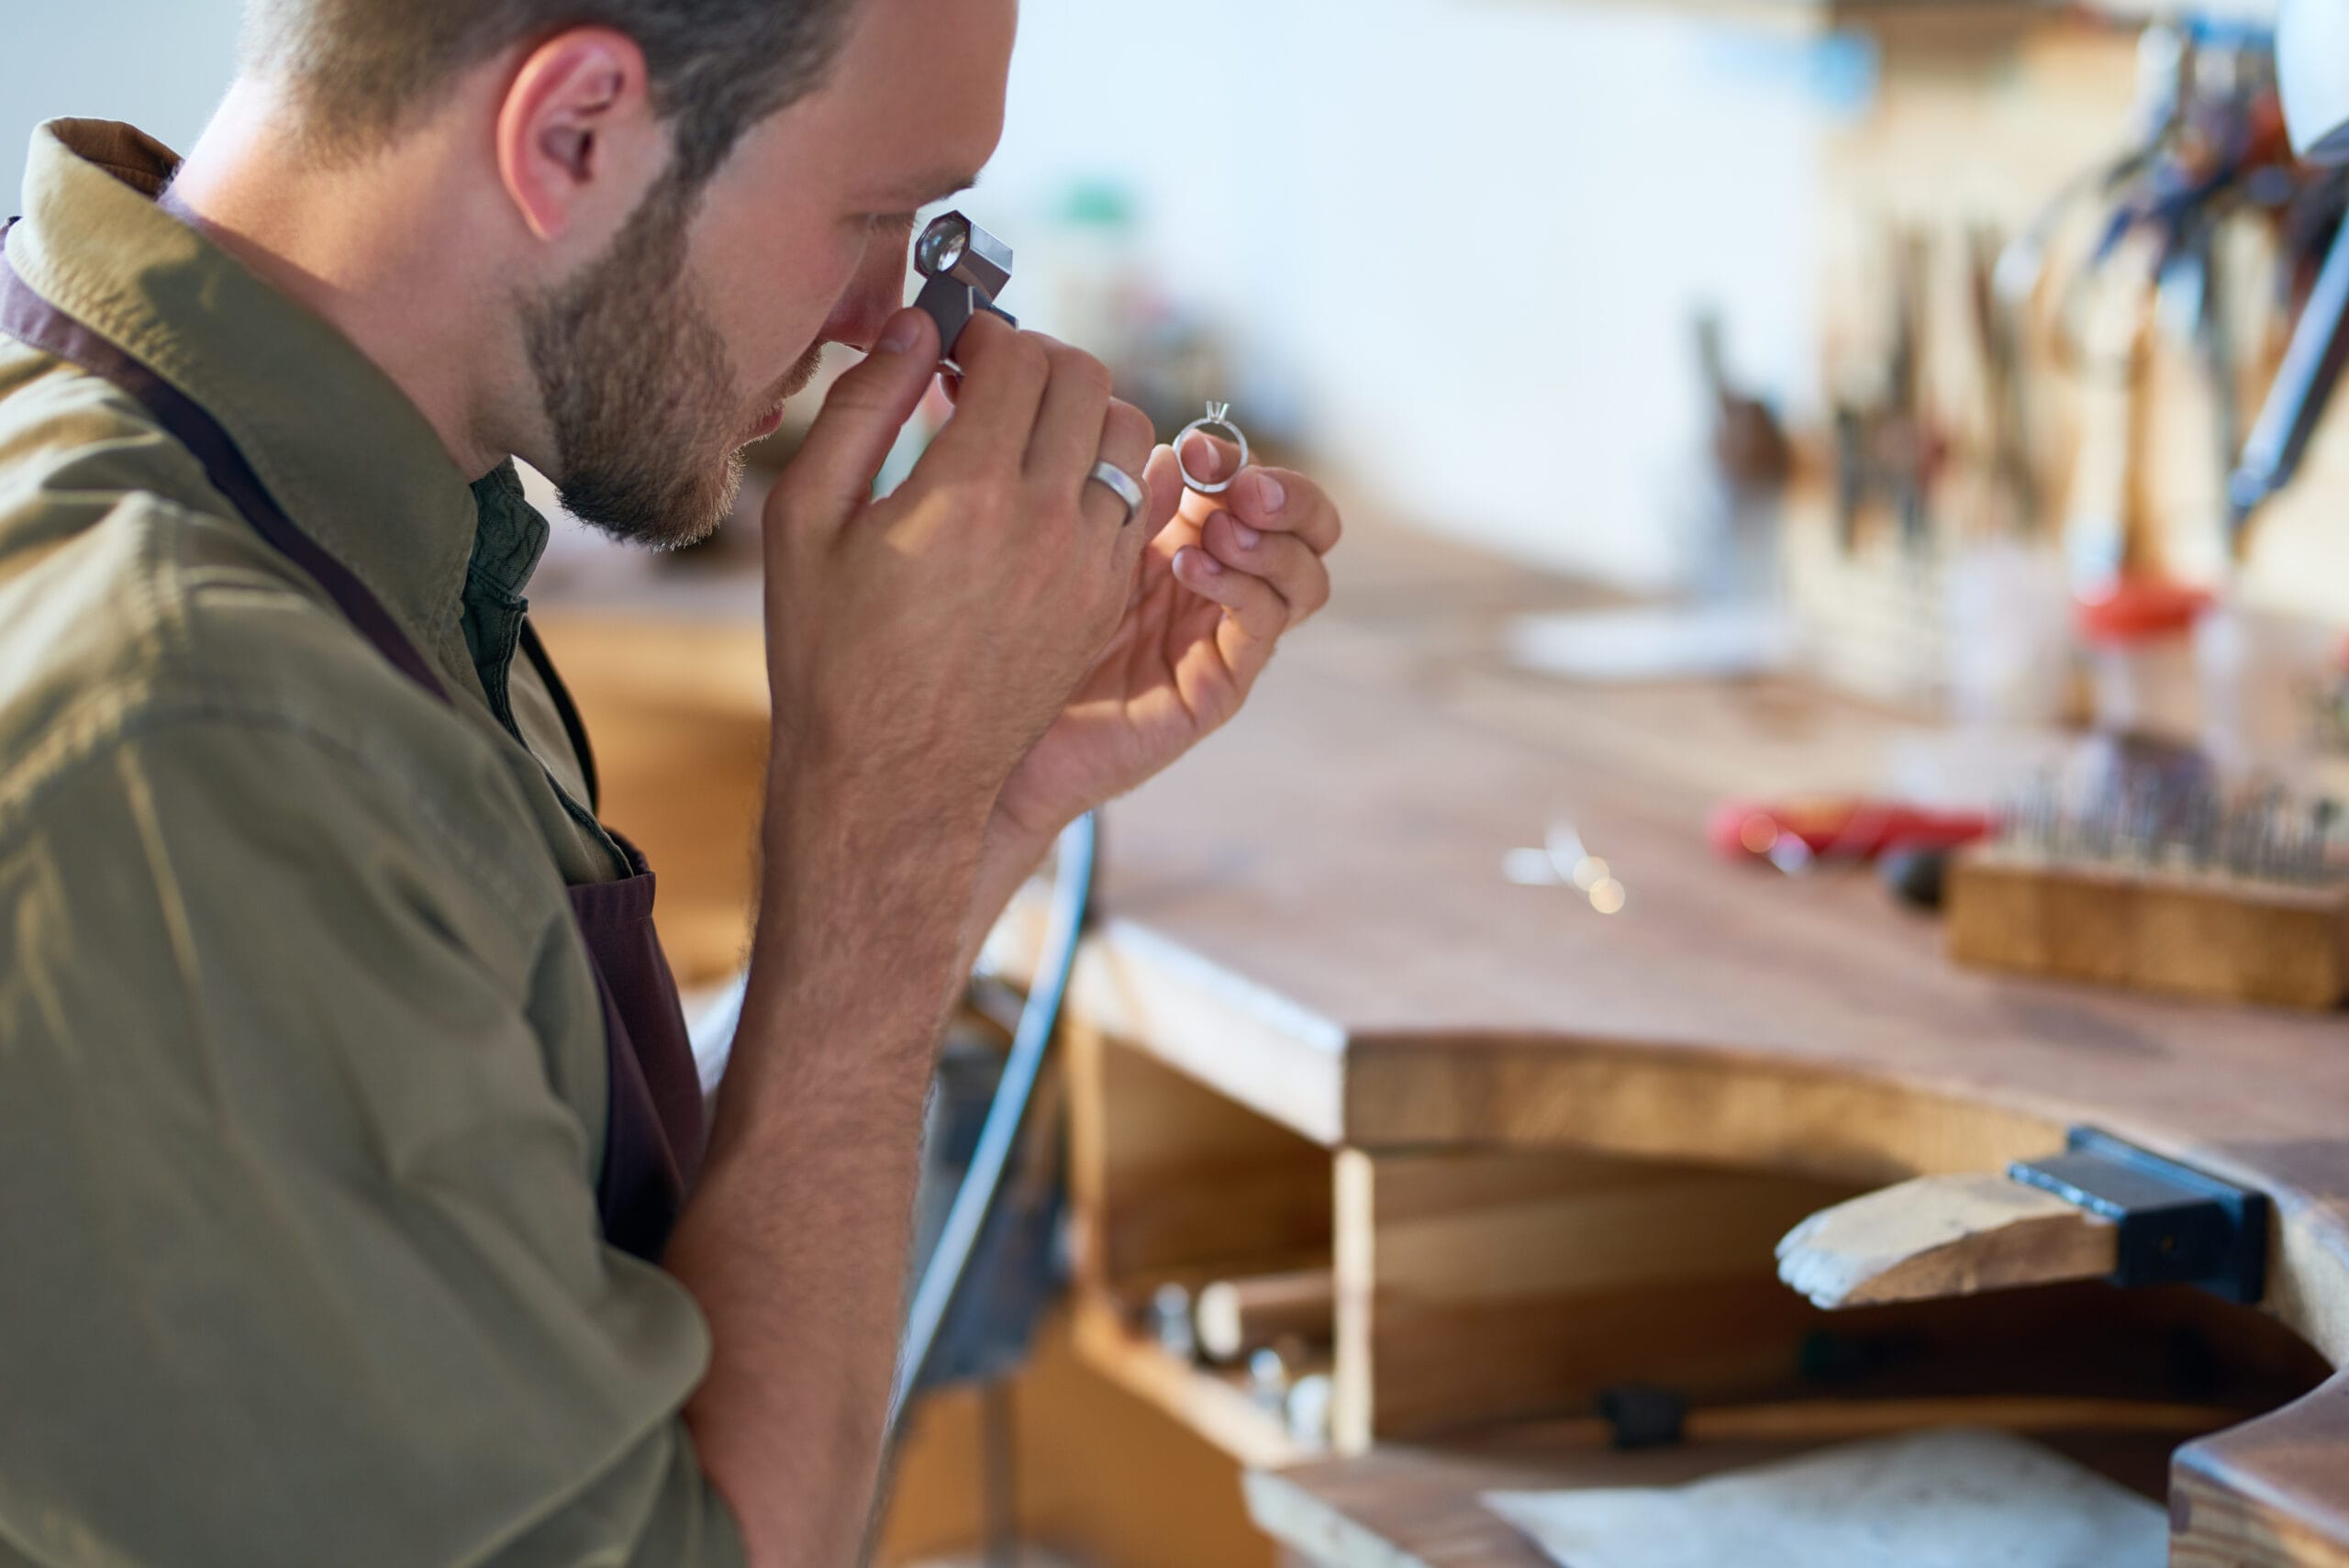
(1308, 919)
(1550, 1148)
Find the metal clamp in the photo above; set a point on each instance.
(2178, 1225)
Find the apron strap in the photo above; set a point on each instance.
(654, 1121)
(26, 316)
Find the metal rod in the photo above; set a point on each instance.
(2296, 402)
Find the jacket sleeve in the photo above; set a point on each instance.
(299, 1260)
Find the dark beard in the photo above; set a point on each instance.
(637, 386)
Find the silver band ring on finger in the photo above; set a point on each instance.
(1218, 415)
(1124, 486)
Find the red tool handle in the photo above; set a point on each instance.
(1839, 829)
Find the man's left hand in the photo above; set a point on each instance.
(1216, 589)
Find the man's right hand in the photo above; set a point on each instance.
(923, 642)
(918, 646)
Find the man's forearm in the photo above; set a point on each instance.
(1008, 857)
(795, 1242)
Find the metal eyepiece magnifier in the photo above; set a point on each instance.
(964, 267)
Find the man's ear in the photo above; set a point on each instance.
(578, 142)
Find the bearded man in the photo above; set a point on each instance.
(358, 1209)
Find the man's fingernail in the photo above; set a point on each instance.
(1269, 494)
(1208, 563)
(1249, 538)
(903, 328)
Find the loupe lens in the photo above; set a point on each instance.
(941, 246)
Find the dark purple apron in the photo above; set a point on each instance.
(652, 1137)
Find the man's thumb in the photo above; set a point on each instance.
(833, 473)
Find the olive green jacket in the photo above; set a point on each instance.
(302, 1071)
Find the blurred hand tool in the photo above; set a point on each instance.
(1889, 447)
(2164, 70)
(2103, 530)
(2000, 339)
(2166, 821)
(1749, 447)
(2296, 400)
(1792, 835)
(1917, 876)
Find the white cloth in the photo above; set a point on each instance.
(1943, 1499)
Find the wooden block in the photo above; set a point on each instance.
(2177, 934)
(1237, 1317)
(1475, 1287)
(1943, 1235)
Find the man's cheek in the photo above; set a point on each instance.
(775, 310)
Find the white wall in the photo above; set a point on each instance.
(161, 65)
(1465, 234)
(1470, 231)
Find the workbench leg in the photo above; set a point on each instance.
(999, 1474)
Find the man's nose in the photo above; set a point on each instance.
(878, 294)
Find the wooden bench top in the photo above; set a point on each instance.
(1310, 915)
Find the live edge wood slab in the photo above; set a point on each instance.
(1308, 917)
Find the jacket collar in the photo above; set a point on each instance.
(350, 459)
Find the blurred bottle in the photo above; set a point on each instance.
(2011, 646)
(2261, 672)
(1089, 285)
(2139, 639)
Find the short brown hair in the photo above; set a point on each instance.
(718, 67)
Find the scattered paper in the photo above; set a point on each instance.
(1945, 1499)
